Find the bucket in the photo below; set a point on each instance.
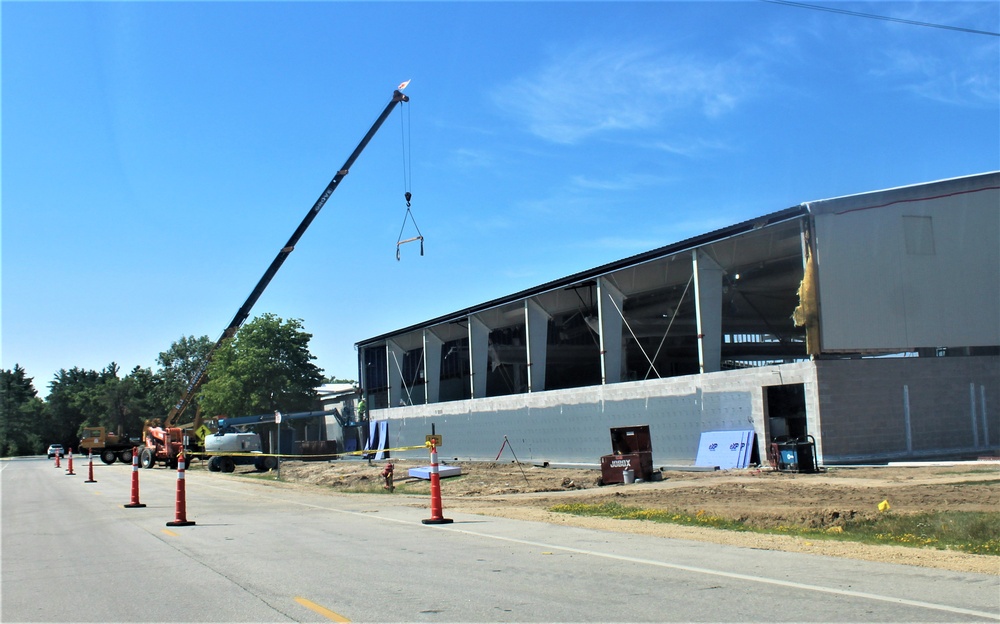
(628, 475)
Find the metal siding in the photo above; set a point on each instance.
(876, 296)
(859, 290)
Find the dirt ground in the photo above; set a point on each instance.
(759, 497)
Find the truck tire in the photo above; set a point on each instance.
(270, 463)
(226, 464)
(146, 459)
(125, 456)
(213, 463)
(108, 456)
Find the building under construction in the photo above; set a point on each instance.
(869, 324)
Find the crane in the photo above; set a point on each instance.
(244, 312)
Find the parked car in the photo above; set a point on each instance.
(55, 448)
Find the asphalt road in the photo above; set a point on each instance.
(72, 553)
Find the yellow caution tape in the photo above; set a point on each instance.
(363, 452)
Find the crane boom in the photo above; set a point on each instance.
(244, 311)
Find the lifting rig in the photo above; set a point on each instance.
(164, 444)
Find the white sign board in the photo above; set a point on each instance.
(725, 449)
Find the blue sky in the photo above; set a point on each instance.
(156, 156)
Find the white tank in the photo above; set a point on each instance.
(233, 443)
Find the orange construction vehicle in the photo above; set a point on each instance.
(162, 445)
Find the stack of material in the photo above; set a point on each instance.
(725, 449)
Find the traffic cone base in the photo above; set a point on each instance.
(134, 505)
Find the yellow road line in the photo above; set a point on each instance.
(328, 614)
(169, 532)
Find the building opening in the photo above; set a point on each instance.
(785, 408)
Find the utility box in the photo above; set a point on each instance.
(631, 450)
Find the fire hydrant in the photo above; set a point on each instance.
(387, 475)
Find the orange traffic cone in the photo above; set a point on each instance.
(58, 455)
(135, 480)
(180, 508)
(70, 470)
(436, 511)
(90, 469)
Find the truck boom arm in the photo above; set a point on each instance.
(244, 311)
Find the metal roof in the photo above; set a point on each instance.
(583, 276)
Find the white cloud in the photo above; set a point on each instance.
(592, 90)
(467, 158)
(693, 148)
(969, 80)
(627, 182)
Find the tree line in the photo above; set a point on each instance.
(265, 366)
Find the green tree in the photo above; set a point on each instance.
(113, 399)
(178, 367)
(265, 367)
(125, 401)
(100, 399)
(21, 414)
(145, 398)
(76, 397)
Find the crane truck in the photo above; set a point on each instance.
(163, 442)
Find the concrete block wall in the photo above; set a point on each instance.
(954, 408)
(573, 425)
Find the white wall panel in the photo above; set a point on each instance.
(911, 267)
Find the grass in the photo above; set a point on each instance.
(970, 532)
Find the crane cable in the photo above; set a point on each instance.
(404, 130)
